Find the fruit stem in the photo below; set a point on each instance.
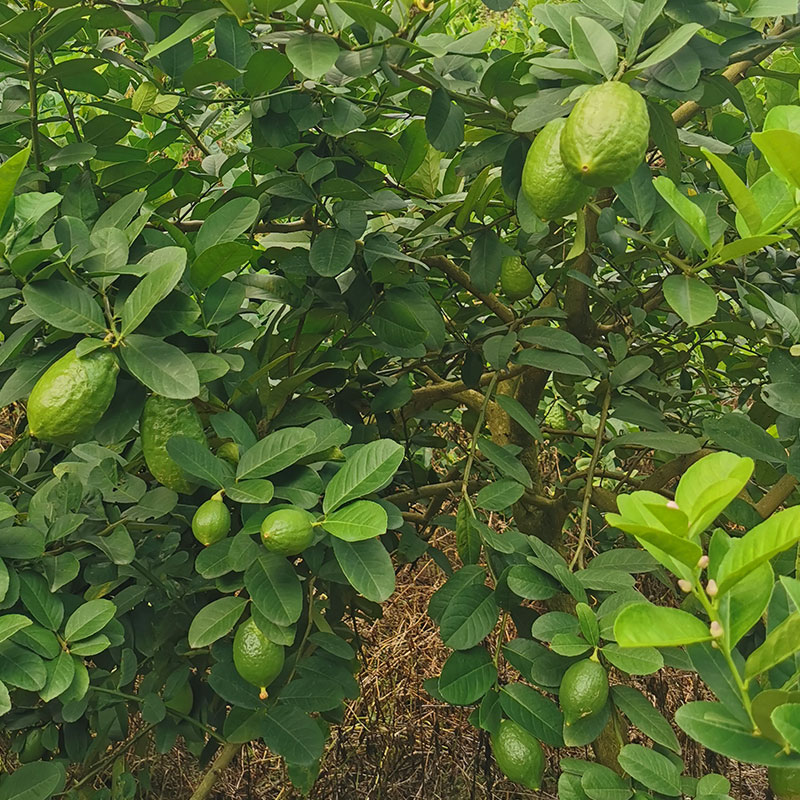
(218, 495)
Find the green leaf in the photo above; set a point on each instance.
(160, 366)
(64, 306)
(312, 53)
(645, 625)
(641, 713)
(466, 676)
(39, 780)
(366, 472)
(195, 23)
(692, 299)
(227, 223)
(786, 719)
(258, 492)
(737, 190)
(210, 70)
(275, 588)
(635, 661)
(444, 122)
(507, 463)
(195, 458)
(667, 47)
(367, 567)
(60, 674)
(554, 362)
(534, 712)
(290, 733)
(88, 619)
(676, 443)
(469, 617)
(531, 583)
(276, 452)
(218, 260)
(780, 149)
(601, 783)
(651, 769)
(332, 252)
(499, 495)
(266, 71)
(151, 290)
(737, 432)
(782, 642)
(21, 668)
(520, 415)
(713, 726)
(215, 620)
(357, 521)
(688, 211)
(10, 172)
(11, 623)
(594, 46)
(776, 534)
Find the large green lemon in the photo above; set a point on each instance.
(550, 188)
(258, 660)
(163, 418)
(518, 754)
(584, 690)
(516, 280)
(606, 135)
(72, 395)
(287, 531)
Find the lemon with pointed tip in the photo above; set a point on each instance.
(516, 280)
(258, 660)
(518, 754)
(606, 135)
(287, 531)
(212, 521)
(583, 691)
(551, 189)
(72, 395)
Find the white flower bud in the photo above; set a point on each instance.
(716, 630)
(685, 586)
(703, 562)
(711, 588)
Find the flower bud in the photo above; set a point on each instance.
(673, 505)
(716, 630)
(703, 562)
(685, 586)
(711, 588)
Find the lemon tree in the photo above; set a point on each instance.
(287, 286)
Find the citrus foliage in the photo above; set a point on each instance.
(250, 256)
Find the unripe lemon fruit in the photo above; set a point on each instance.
(518, 754)
(516, 280)
(287, 531)
(258, 660)
(72, 396)
(212, 521)
(584, 690)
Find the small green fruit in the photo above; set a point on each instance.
(785, 782)
(550, 188)
(163, 418)
(556, 417)
(516, 280)
(72, 396)
(258, 660)
(287, 531)
(230, 452)
(518, 754)
(584, 690)
(606, 135)
(212, 521)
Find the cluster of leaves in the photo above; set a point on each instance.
(294, 215)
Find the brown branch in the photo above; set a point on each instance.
(672, 469)
(457, 274)
(776, 496)
(190, 225)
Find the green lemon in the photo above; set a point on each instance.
(182, 700)
(785, 782)
(556, 417)
(606, 135)
(212, 521)
(550, 188)
(518, 754)
(163, 418)
(258, 660)
(230, 452)
(516, 280)
(287, 531)
(72, 395)
(584, 690)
